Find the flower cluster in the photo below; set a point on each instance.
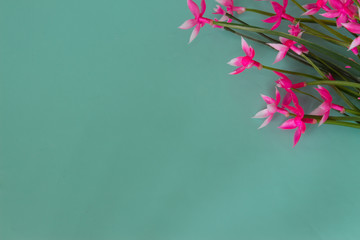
(328, 14)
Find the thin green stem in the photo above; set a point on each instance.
(344, 124)
(314, 65)
(335, 83)
(291, 72)
(307, 94)
(352, 111)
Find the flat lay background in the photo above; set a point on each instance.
(114, 127)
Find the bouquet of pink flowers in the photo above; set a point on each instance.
(339, 24)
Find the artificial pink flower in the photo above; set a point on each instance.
(324, 108)
(271, 109)
(344, 10)
(285, 83)
(295, 30)
(286, 45)
(297, 122)
(199, 21)
(330, 77)
(280, 13)
(230, 8)
(315, 7)
(246, 61)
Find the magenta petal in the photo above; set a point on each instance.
(352, 27)
(285, 3)
(245, 47)
(311, 11)
(194, 9)
(277, 7)
(239, 10)
(324, 118)
(287, 99)
(297, 50)
(289, 124)
(355, 43)
(282, 111)
(277, 96)
(297, 136)
(266, 122)
(223, 2)
(203, 7)
(271, 19)
(341, 19)
(324, 93)
(188, 24)
(237, 71)
(267, 99)
(194, 33)
(276, 25)
(320, 110)
(278, 46)
(310, 6)
(280, 56)
(330, 14)
(236, 61)
(262, 114)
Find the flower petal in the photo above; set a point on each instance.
(262, 114)
(355, 43)
(289, 124)
(297, 136)
(194, 9)
(352, 27)
(249, 51)
(188, 24)
(266, 122)
(194, 33)
(203, 7)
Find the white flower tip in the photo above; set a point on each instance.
(232, 62)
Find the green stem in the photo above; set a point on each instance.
(314, 65)
(291, 72)
(307, 94)
(344, 124)
(335, 83)
(352, 111)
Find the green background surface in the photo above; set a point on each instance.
(113, 127)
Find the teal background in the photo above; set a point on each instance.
(113, 127)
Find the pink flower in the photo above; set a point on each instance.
(315, 7)
(230, 8)
(280, 13)
(246, 61)
(344, 10)
(330, 77)
(297, 122)
(285, 83)
(325, 107)
(199, 21)
(286, 45)
(295, 30)
(271, 109)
